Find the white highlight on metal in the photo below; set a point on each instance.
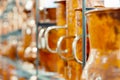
(112, 3)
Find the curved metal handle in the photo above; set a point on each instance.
(47, 34)
(74, 48)
(41, 39)
(59, 45)
(59, 51)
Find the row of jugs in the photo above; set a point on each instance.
(56, 42)
(104, 44)
(104, 37)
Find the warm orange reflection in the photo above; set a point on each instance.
(74, 28)
(51, 61)
(104, 30)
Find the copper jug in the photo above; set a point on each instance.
(61, 12)
(61, 21)
(30, 53)
(48, 59)
(48, 56)
(73, 68)
(27, 33)
(104, 30)
(25, 42)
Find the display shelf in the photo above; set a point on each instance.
(13, 33)
(46, 24)
(9, 8)
(89, 9)
(22, 72)
(84, 34)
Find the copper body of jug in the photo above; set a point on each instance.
(74, 23)
(51, 12)
(61, 12)
(73, 69)
(61, 21)
(104, 59)
(51, 60)
(25, 42)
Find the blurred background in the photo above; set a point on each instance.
(36, 38)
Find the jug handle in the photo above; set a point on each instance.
(47, 34)
(74, 44)
(41, 33)
(59, 51)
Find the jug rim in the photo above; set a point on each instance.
(78, 9)
(102, 10)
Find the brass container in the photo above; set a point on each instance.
(11, 50)
(47, 59)
(30, 52)
(78, 26)
(61, 21)
(51, 12)
(26, 49)
(42, 14)
(25, 42)
(74, 69)
(104, 30)
(27, 36)
(48, 15)
(20, 50)
(61, 12)
(74, 22)
(51, 61)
